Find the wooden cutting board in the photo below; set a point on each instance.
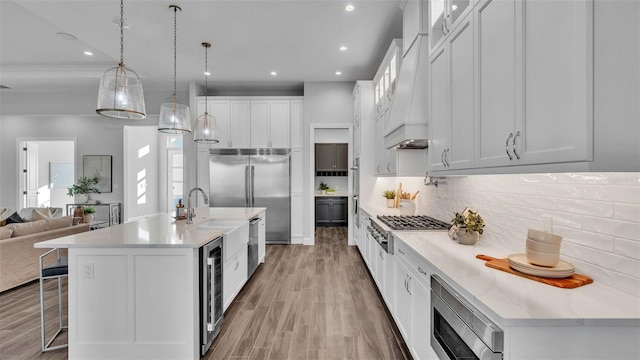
(576, 280)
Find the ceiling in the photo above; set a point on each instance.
(299, 39)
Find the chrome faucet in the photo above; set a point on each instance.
(189, 209)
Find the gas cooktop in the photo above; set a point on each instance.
(413, 222)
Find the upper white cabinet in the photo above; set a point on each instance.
(240, 123)
(532, 69)
(535, 82)
(270, 121)
(297, 108)
(386, 78)
(444, 16)
(452, 101)
(221, 111)
(362, 115)
(497, 89)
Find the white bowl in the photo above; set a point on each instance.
(542, 259)
(542, 247)
(544, 237)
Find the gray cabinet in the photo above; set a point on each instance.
(332, 159)
(331, 211)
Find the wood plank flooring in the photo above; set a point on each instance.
(304, 302)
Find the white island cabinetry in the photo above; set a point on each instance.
(134, 287)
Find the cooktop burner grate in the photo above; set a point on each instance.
(413, 222)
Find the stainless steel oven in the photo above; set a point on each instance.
(458, 329)
(211, 312)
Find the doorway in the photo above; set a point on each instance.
(330, 209)
(45, 172)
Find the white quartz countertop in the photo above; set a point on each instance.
(514, 300)
(160, 230)
(334, 194)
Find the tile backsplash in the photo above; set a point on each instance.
(597, 214)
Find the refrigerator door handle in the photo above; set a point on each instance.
(246, 186)
(252, 184)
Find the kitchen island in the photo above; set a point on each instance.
(134, 287)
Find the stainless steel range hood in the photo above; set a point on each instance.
(407, 122)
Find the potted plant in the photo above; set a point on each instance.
(88, 213)
(83, 188)
(390, 195)
(323, 188)
(473, 225)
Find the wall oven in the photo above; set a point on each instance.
(458, 329)
(211, 312)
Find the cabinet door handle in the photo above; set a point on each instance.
(514, 145)
(422, 271)
(409, 283)
(400, 251)
(388, 166)
(237, 264)
(506, 146)
(446, 162)
(378, 168)
(381, 257)
(442, 158)
(406, 280)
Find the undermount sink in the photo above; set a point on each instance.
(217, 224)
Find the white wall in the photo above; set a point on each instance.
(597, 214)
(141, 157)
(324, 102)
(48, 152)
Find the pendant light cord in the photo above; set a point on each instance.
(122, 33)
(175, 52)
(206, 51)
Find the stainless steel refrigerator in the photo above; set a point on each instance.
(254, 178)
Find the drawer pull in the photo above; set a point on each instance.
(422, 271)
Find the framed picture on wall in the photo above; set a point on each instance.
(98, 166)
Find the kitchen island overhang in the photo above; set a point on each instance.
(134, 288)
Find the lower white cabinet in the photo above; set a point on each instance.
(234, 275)
(413, 302)
(262, 237)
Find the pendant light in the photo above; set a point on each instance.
(174, 117)
(120, 95)
(205, 123)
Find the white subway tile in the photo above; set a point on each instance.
(585, 207)
(627, 284)
(621, 264)
(558, 190)
(584, 238)
(626, 212)
(623, 229)
(614, 193)
(538, 178)
(631, 178)
(629, 248)
(596, 272)
(585, 178)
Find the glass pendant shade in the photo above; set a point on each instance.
(174, 119)
(120, 94)
(205, 129)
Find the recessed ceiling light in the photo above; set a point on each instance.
(273, 73)
(66, 36)
(454, 7)
(338, 72)
(349, 8)
(206, 73)
(343, 48)
(88, 53)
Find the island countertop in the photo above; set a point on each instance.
(160, 230)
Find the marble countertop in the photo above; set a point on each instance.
(512, 300)
(334, 194)
(160, 230)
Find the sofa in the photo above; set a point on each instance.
(18, 258)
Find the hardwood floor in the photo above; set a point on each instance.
(304, 302)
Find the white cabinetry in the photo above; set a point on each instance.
(262, 237)
(270, 121)
(234, 275)
(414, 22)
(444, 16)
(297, 122)
(202, 171)
(385, 80)
(534, 82)
(413, 301)
(362, 112)
(452, 101)
(232, 121)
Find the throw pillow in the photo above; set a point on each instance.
(5, 233)
(14, 219)
(59, 223)
(40, 214)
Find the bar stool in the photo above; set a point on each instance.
(57, 270)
